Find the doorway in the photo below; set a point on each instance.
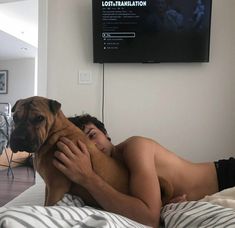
(19, 48)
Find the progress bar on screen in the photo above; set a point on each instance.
(118, 34)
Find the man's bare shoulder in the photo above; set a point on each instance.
(135, 140)
(139, 143)
(131, 147)
(143, 148)
(135, 147)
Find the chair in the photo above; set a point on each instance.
(6, 127)
(4, 141)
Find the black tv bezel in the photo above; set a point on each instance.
(116, 59)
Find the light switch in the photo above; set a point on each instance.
(85, 77)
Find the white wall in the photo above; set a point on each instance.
(20, 79)
(189, 108)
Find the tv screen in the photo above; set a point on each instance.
(149, 31)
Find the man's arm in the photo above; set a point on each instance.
(144, 203)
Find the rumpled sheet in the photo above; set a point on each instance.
(217, 210)
(69, 212)
(225, 198)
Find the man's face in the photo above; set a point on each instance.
(99, 138)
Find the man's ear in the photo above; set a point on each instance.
(54, 106)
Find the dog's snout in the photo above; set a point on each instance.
(19, 137)
(21, 140)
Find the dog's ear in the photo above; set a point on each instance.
(14, 107)
(54, 106)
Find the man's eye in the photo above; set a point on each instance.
(92, 136)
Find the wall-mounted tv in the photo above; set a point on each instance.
(151, 31)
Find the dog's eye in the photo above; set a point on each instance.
(15, 119)
(38, 119)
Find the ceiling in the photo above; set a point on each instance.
(18, 29)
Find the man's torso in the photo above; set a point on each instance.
(193, 179)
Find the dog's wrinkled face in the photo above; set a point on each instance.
(33, 118)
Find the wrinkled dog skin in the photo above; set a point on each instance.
(39, 123)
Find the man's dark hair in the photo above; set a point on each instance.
(82, 120)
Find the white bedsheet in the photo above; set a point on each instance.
(225, 198)
(217, 209)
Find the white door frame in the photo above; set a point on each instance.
(42, 47)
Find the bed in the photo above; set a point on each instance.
(27, 210)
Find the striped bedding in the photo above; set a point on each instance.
(197, 214)
(71, 212)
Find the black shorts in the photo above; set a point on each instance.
(225, 173)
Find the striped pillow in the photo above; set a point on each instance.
(197, 214)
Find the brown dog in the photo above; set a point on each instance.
(39, 123)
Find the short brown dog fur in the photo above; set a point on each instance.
(39, 123)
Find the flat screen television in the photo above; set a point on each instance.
(151, 31)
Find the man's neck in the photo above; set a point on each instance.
(116, 153)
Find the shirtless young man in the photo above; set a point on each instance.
(145, 159)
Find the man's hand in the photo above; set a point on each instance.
(73, 161)
(178, 199)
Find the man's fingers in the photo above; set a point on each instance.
(62, 157)
(83, 147)
(66, 150)
(71, 147)
(179, 199)
(60, 166)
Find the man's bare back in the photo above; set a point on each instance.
(193, 179)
